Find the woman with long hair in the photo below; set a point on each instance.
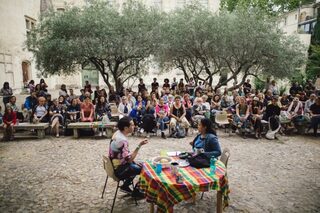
(207, 139)
(56, 112)
(9, 120)
(256, 116)
(6, 92)
(103, 113)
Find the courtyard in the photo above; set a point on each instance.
(66, 175)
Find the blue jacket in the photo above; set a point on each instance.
(30, 103)
(211, 145)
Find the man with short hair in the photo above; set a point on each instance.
(308, 103)
(141, 86)
(247, 87)
(154, 85)
(122, 159)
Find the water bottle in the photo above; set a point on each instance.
(213, 161)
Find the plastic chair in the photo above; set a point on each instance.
(114, 112)
(108, 167)
(224, 159)
(221, 118)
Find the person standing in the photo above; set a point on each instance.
(141, 86)
(122, 159)
(6, 92)
(247, 87)
(154, 85)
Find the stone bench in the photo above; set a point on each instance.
(39, 128)
(110, 127)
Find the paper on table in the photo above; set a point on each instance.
(172, 154)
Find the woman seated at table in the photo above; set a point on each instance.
(56, 112)
(87, 110)
(207, 139)
(122, 159)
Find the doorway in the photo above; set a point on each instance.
(26, 72)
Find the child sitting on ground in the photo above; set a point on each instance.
(9, 120)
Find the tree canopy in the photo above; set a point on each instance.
(117, 43)
(269, 6)
(232, 46)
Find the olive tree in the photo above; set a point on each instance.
(117, 43)
(239, 44)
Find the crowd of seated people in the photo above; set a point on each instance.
(172, 105)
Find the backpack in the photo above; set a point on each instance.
(179, 132)
(148, 123)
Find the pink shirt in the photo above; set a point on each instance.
(163, 108)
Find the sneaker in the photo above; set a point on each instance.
(137, 194)
(125, 189)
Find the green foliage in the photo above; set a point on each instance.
(259, 84)
(245, 43)
(298, 77)
(313, 66)
(269, 6)
(282, 90)
(117, 43)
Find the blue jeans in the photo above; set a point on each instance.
(127, 172)
(162, 122)
(315, 121)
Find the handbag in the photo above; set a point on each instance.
(199, 161)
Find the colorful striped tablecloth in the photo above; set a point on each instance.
(165, 192)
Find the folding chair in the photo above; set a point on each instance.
(108, 167)
(224, 159)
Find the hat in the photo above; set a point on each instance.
(256, 99)
(275, 97)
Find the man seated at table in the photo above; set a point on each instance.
(122, 159)
(207, 139)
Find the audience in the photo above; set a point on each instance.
(164, 106)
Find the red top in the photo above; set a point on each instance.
(10, 117)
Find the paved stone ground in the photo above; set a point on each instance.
(66, 175)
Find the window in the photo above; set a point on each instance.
(30, 24)
(5, 63)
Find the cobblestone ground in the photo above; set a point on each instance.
(66, 175)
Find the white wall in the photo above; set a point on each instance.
(13, 36)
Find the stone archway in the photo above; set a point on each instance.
(26, 68)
